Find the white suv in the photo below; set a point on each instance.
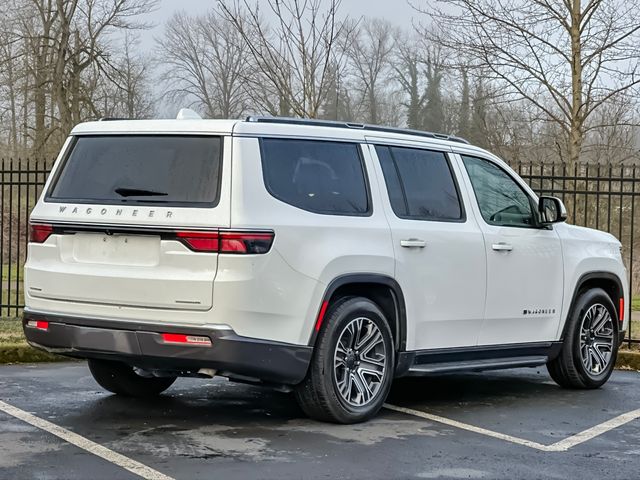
(320, 257)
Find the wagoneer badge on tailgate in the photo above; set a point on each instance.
(136, 212)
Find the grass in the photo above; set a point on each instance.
(10, 296)
(13, 269)
(11, 331)
(634, 325)
(14, 347)
(8, 289)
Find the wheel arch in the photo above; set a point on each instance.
(381, 289)
(609, 282)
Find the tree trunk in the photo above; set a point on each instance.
(576, 132)
(373, 108)
(11, 80)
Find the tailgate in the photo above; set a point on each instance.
(115, 208)
(125, 269)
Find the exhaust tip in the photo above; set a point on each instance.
(207, 372)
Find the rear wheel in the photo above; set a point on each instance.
(122, 379)
(590, 346)
(352, 367)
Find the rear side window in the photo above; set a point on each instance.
(141, 169)
(420, 184)
(318, 176)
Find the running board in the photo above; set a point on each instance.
(477, 365)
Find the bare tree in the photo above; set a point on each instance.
(407, 67)
(10, 77)
(567, 59)
(66, 45)
(434, 68)
(615, 140)
(205, 61)
(369, 54)
(82, 28)
(465, 106)
(127, 90)
(295, 53)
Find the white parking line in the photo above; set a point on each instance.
(466, 426)
(560, 446)
(593, 432)
(94, 448)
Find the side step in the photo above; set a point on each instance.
(477, 365)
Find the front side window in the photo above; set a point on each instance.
(141, 169)
(501, 199)
(315, 175)
(420, 184)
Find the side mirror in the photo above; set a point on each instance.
(551, 210)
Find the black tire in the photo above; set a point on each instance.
(319, 395)
(121, 379)
(568, 369)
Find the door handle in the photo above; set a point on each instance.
(413, 243)
(502, 247)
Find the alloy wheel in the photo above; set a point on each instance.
(596, 339)
(360, 362)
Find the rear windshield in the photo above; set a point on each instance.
(122, 169)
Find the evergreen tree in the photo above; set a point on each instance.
(433, 113)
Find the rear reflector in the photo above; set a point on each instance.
(39, 232)
(227, 241)
(186, 339)
(323, 310)
(621, 310)
(39, 324)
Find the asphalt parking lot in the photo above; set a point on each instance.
(56, 423)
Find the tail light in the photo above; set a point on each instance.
(200, 241)
(245, 242)
(227, 241)
(39, 232)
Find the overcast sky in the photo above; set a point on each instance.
(397, 11)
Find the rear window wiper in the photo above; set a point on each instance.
(138, 192)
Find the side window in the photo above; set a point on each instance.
(420, 184)
(501, 200)
(318, 176)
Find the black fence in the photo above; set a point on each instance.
(21, 182)
(596, 196)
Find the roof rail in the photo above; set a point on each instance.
(359, 126)
(112, 119)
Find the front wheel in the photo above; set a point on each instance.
(122, 379)
(590, 346)
(352, 367)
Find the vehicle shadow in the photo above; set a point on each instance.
(192, 403)
(238, 403)
(473, 388)
(217, 402)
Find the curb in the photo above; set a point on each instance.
(23, 353)
(628, 360)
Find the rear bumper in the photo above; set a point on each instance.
(142, 345)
